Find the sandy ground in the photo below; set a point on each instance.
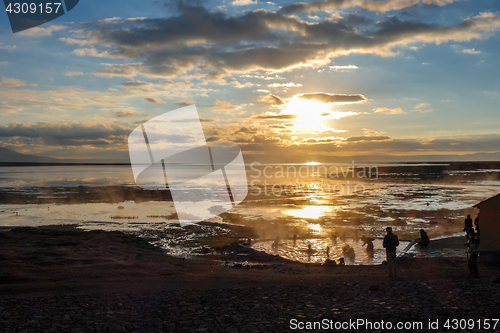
(60, 265)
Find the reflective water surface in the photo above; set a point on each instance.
(318, 215)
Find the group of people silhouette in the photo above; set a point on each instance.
(391, 242)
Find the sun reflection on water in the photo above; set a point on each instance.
(315, 227)
(308, 212)
(298, 250)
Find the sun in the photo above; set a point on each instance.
(310, 113)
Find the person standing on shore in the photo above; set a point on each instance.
(473, 245)
(468, 225)
(391, 242)
(424, 239)
(476, 223)
(368, 242)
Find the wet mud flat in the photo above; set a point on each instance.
(80, 194)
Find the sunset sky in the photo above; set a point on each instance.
(285, 81)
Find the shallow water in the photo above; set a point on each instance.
(126, 216)
(299, 250)
(407, 204)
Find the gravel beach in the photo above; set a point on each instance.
(74, 281)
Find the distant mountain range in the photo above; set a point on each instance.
(10, 156)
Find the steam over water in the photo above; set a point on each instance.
(322, 206)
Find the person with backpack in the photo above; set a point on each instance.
(391, 242)
(473, 253)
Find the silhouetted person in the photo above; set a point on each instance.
(368, 242)
(328, 252)
(424, 239)
(333, 236)
(310, 251)
(348, 251)
(468, 225)
(294, 240)
(276, 243)
(476, 223)
(391, 242)
(473, 245)
(329, 262)
(341, 261)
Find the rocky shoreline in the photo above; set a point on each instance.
(67, 280)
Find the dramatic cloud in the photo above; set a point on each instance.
(389, 111)
(287, 85)
(125, 70)
(136, 84)
(37, 31)
(224, 106)
(11, 82)
(8, 48)
(193, 53)
(461, 49)
(264, 147)
(193, 120)
(72, 101)
(343, 68)
(275, 116)
(68, 73)
(471, 51)
(243, 2)
(154, 100)
(68, 134)
(423, 108)
(6, 109)
(376, 6)
(368, 138)
(271, 99)
(126, 114)
(331, 98)
(184, 103)
(216, 45)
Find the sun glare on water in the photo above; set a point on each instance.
(308, 212)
